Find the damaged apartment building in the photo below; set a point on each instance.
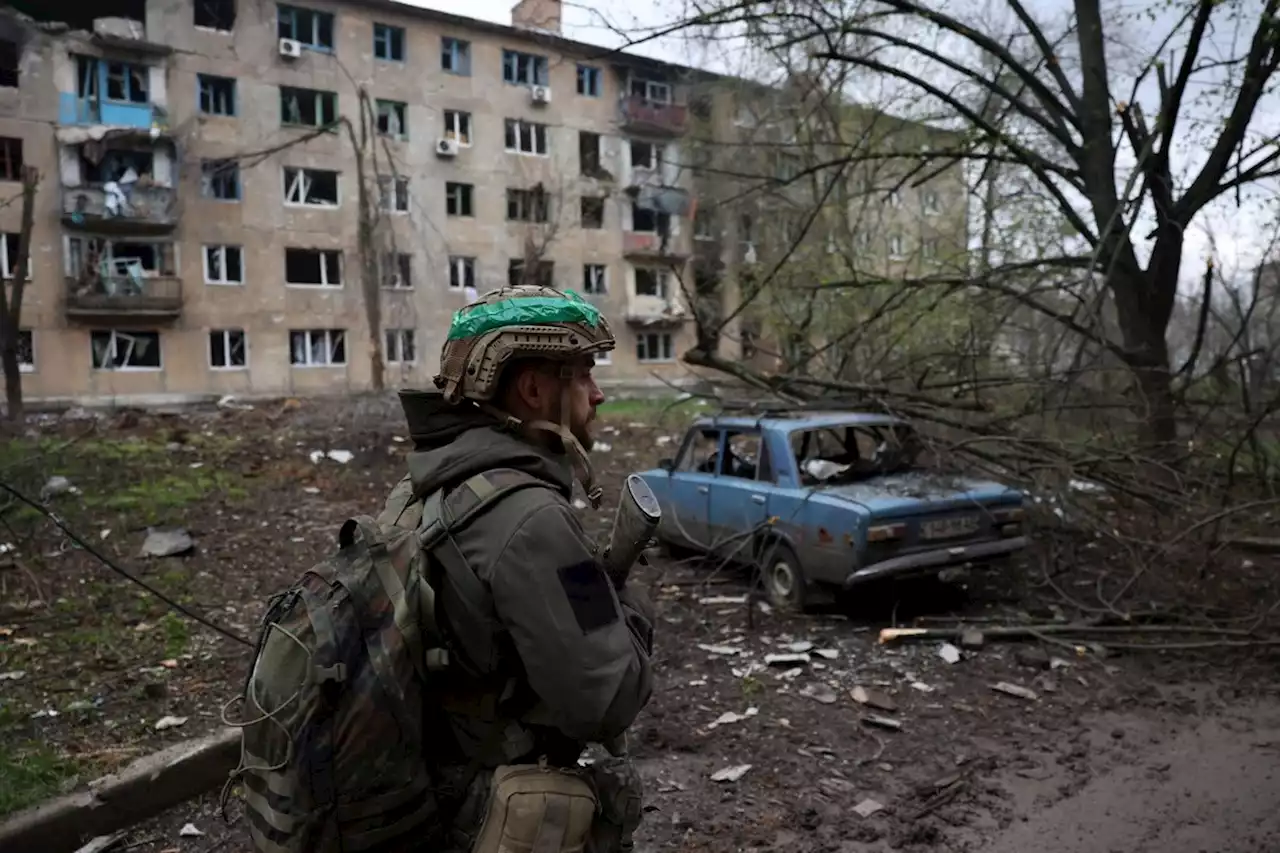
(197, 224)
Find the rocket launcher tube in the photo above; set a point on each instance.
(634, 524)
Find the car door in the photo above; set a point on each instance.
(740, 492)
(685, 520)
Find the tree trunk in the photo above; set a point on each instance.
(11, 301)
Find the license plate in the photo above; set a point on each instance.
(949, 528)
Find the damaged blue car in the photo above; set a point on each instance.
(828, 501)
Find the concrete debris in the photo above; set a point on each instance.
(972, 639)
(785, 660)
(13, 675)
(1032, 656)
(731, 774)
(949, 653)
(720, 650)
(800, 647)
(867, 808)
(828, 654)
(819, 693)
(836, 786)
(166, 542)
(1015, 690)
(729, 717)
(342, 457)
(873, 699)
(169, 723)
(882, 722)
(189, 831)
(57, 485)
(723, 599)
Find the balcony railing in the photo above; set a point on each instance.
(645, 244)
(75, 110)
(124, 295)
(646, 310)
(645, 116)
(139, 208)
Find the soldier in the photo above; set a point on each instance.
(550, 652)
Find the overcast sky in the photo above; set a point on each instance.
(1242, 233)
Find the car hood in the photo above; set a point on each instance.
(915, 492)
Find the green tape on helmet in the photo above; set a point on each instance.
(523, 311)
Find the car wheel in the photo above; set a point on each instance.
(782, 577)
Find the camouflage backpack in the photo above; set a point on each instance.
(333, 754)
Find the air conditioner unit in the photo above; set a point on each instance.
(447, 147)
(540, 94)
(291, 48)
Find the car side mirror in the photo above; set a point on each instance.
(667, 465)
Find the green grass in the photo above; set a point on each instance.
(30, 773)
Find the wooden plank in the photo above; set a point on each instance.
(141, 790)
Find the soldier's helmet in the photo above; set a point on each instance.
(519, 321)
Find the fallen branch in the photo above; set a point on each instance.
(141, 790)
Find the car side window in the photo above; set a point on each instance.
(743, 457)
(700, 452)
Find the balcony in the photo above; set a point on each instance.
(649, 246)
(640, 115)
(74, 110)
(142, 209)
(661, 311)
(123, 296)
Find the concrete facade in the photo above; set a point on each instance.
(123, 270)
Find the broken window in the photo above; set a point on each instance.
(929, 249)
(123, 165)
(651, 282)
(220, 179)
(649, 221)
(9, 256)
(223, 265)
(26, 351)
(10, 63)
(653, 91)
(593, 279)
(929, 201)
(10, 159)
(307, 107)
(462, 272)
(704, 225)
(589, 153)
(311, 187)
(897, 246)
(401, 346)
(589, 81)
(543, 273)
(126, 82)
(311, 27)
(592, 212)
(215, 15)
(388, 42)
(134, 350)
(524, 69)
(457, 126)
(313, 267)
(393, 193)
(317, 347)
(645, 155)
(654, 346)
(455, 56)
(217, 95)
(391, 119)
(149, 259)
(227, 349)
(526, 137)
(397, 270)
(457, 199)
(527, 205)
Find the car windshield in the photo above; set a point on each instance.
(851, 453)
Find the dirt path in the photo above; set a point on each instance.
(1120, 753)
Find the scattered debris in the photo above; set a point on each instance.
(836, 785)
(867, 808)
(57, 485)
(104, 842)
(819, 693)
(166, 542)
(731, 774)
(972, 639)
(949, 653)
(189, 831)
(873, 699)
(723, 599)
(732, 717)
(720, 650)
(827, 654)
(800, 647)
(169, 723)
(13, 675)
(342, 457)
(882, 722)
(1015, 690)
(785, 660)
(1032, 656)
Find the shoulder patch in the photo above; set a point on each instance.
(590, 595)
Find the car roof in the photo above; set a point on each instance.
(798, 421)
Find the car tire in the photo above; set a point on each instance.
(782, 577)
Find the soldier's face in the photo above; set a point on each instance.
(542, 391)
(584, 396)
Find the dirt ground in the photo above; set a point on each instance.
(1172, 751)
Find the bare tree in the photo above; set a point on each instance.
(11, 299)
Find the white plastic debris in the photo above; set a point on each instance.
(800, 647)
(785, 660)
(729, 717)
(169, 723)
(867, 808)
(189, 831)
(13, 675)
(819, 693)
(949, 653)
(723, 599)
(342, 457)
(719, 650)
(731, 774)
(828, 654)
(1015, 690)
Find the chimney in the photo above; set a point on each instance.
(542, 15)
